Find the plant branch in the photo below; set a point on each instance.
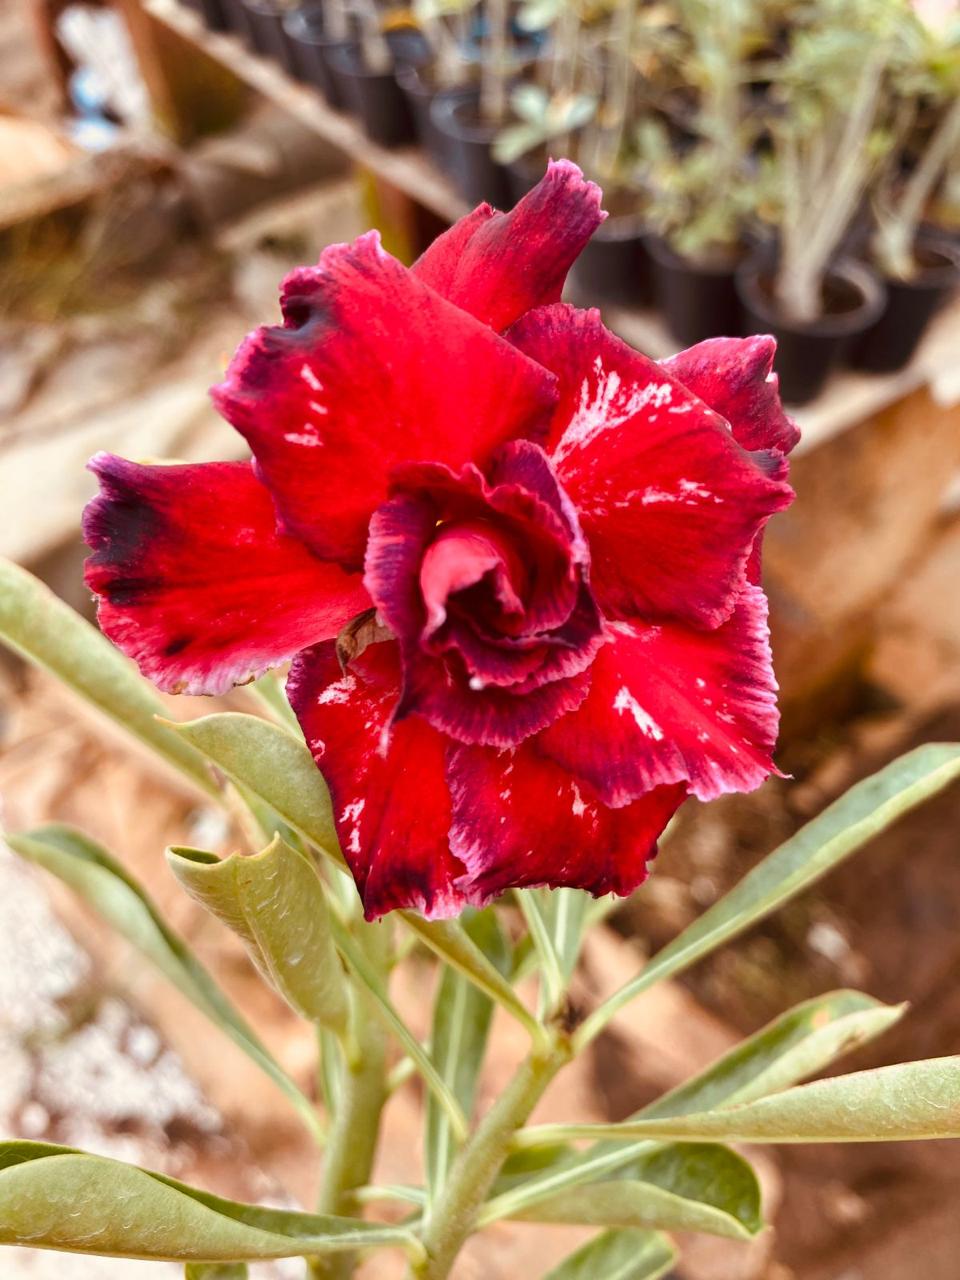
(455, 1213)
(352, 1144)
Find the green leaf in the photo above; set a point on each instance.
(864, 811)
(565, 911)
(269, 690)
(449, 940)
(368, 976)
(461, 1025)
(618, 1255)
(47, 632)
(104, 884)
(275, 903)
(53, 1197)
(515, 140)
(688, 1187)
(798, 1044)
(532, 906)
(693, 1188)
(529, 102)
(274, 766)
(216, 1271)
(577, 112)
(907, 1102)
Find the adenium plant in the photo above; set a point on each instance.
(516, 568)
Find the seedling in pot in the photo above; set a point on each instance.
(446, 26)
(700, 195)
(827, 142)
(929, 76)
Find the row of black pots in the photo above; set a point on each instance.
(296, 39)
(868, 324)
(396, 106)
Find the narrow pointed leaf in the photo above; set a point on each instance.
(678, 1187)
(461, 1025)
(796, 1045)
(448, 940)
(53, 1197)
(865, 810)
(634, 1204)
(273, 765)
(532, 905)
(618, 1255)
(566, 913)
(910, 1101)
(47, 632)
(275, 903)
(103, 883)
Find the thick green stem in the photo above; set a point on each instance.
(356, 1125)
(355, 1129)
(481, 1159)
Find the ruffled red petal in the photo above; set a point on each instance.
(669, 704)
(670, 504)
(371, 368)
(387, 783)
(196, 584)
(521, 820)
(735, 377)
(499, 265)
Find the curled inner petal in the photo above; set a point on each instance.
(485, 583)
(463, 557)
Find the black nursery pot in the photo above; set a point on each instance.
(212, 12)
(309, 47)
(408, 46)
(237, 19)
(267, 35)
(698, 300)
(615, 265)
(807, 354)
(416, 85)
(890, 343)
(373, 96)
(467, 142)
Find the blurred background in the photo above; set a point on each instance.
(785, 166)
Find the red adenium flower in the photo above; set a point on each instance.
(540, 551)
